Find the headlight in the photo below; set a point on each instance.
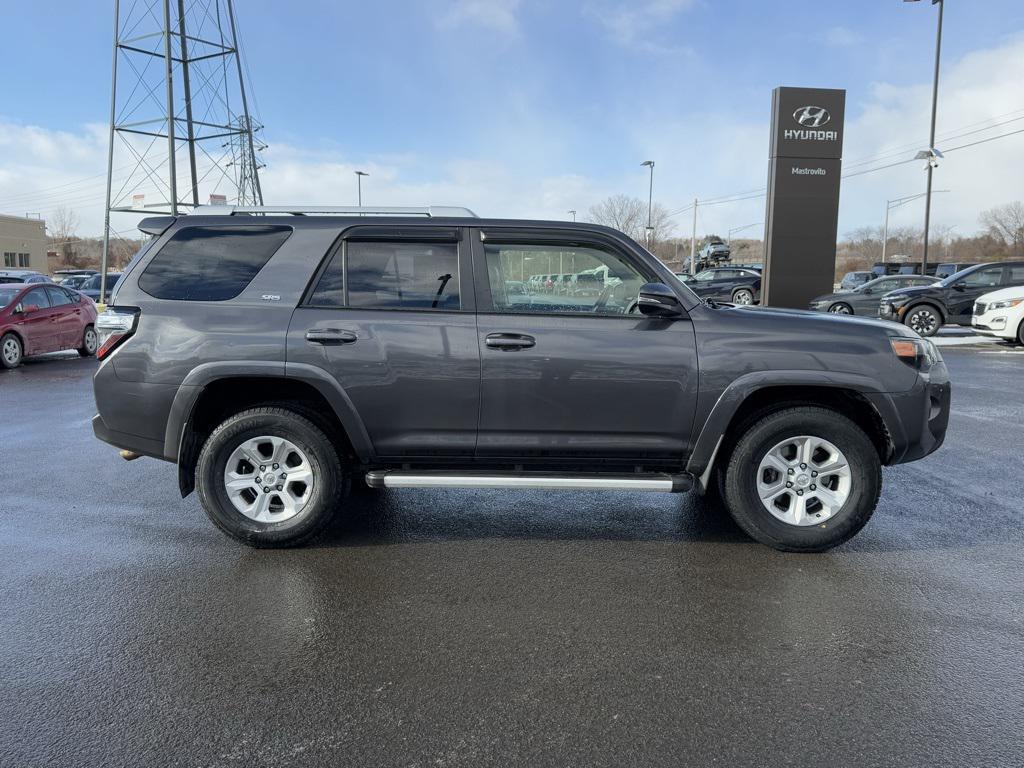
(1004, 304)
(918, 353)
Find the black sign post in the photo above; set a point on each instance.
(802, 218)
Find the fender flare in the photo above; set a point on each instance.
(201, 376)
(705, 448)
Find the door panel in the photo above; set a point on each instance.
(961, 301)
(577, 376)
(67, 319)
(38, 328)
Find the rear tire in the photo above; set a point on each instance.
(925, 319)
(90, 342)
(11, 351)
(290, 510)
(820, 528)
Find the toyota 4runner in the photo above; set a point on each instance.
(281, 356)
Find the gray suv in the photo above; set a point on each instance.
(283, 358)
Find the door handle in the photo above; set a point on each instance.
(330, 336)
(509, 341)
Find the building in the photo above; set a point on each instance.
(22, 243)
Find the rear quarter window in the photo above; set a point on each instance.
(210, 263)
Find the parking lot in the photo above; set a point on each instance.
(483, 628)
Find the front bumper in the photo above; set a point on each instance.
(889, 311)
(994, 324)
(917, 419)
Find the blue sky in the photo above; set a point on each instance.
(531, 107)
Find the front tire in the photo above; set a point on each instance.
(803, 479)
(269, 477)
(90, 341)
(841, 308)
(10, 351)
(924, 319)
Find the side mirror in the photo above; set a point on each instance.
(961, 286)
(867, 291)
(658, 300)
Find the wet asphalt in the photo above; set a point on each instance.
(474, 628)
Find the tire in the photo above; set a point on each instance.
(925, 319)
(11, 351)
(90, 342)
(743, 296)
(841, 308)
(820, 528)
(1020, 333)
(312, 503)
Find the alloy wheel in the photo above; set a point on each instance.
(743, 297)
(90, 341)
(804, 480)
(268, 479)
(923, 320)
(840, 309)
(11, 351)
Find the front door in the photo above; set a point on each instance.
(579, 374)
(390, 317)
(37, 327)
(964, 293)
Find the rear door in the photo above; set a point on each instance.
(390, 317)
(67, 318)
(581, 377)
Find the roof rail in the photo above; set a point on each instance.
(430, 211)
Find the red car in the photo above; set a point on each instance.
(35, 319)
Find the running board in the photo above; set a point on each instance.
(662, 482)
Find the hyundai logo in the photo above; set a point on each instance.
(811, 116)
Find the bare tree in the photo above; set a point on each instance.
(1006, 223)
(629, 215)
(63, 225)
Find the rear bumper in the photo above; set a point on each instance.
(123, 440)
(917, 419)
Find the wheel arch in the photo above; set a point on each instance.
(755, 395)
(210, 394)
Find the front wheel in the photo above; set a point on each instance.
(924, 318)
(10, 351)
(803, 480)
(841, 309)
(743, 296)
(269, 477)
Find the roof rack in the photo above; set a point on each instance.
(430, 211)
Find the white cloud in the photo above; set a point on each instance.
(635, 24)
(498, 15)
(843, 37)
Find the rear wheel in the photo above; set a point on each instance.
(841, 308)
(924, 318)
(90, 341)
(269, 477)
(803, 480)
(10, 351)
(743, 296)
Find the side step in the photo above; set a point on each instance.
(663, 482)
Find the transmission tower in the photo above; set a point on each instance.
(181, 133)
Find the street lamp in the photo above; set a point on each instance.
(573, 214)
(889, 205)
(359, 185)
(650, 198)
(932, 154)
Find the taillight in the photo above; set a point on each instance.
(114, 326)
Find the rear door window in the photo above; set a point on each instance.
(211, 263)
(58, 297)
(1015, 275)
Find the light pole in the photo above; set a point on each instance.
(650, 199)
(931, 154)
(889, 205)
(573, 214)
(359, 185)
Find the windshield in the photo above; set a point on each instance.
(7, 293)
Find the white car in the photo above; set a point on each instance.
(1001, 313)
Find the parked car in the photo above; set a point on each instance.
(685, 277)
(853, 280)
(732, 284)
(91, 287)
(35, 319)
(1001, 314)
(864, 300)
(23, 276)
(273, 380)
(882, 268)
(946, 269)
(927, 308)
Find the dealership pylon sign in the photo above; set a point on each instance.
(805, 164)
